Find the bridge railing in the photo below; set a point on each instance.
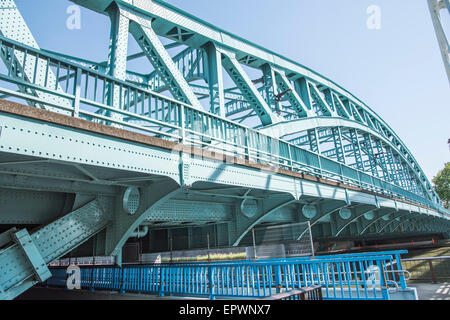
(84, 93)
(433, 269)
(311, 293)
(350, 278)
(394, 271)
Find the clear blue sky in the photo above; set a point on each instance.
(397, 70)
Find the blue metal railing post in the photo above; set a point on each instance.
(211, 284)
(113, 278)
(278, 278)
(161, 282)
(92, 284)
(383, 280)
(122, 280)
(399, 269)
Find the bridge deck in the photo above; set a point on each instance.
(77, 123)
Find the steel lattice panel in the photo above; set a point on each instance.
(190, 211)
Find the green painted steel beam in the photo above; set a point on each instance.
(292, 96)
(162, 62)
(24, 263)
(289, 127)
(249, 91)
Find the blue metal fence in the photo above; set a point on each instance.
(351, 277)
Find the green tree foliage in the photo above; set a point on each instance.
(442, 185)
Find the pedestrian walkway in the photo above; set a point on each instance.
(431, 291)
(39, 293)
(426, 291)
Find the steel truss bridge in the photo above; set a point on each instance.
(93, 154)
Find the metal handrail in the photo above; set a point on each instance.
(298, 294)
(434, 272)
(405, 273)
(426, 258)
(340, 278)
(396, 286)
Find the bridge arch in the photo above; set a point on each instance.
(374, 145)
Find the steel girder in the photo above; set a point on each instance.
(190, 62)
(325, 99)
(361, 146)
(395, 222)
(123, 225)
(313, 94)
(318, 93)
(117, 58)
(46, 245)
(242, 224)
(293, 97)
(379, 215)
(329, 99)
(357, 213)
(163, 63)
(23, 263)
(180, 211)
(28, 137)
(324, 210)
(213, 65)
(249, 91)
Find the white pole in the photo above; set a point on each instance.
(435, 8)
(311, 239)
(254, 243)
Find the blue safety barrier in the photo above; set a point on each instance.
(362, 276)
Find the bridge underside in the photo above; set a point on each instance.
(181, 194)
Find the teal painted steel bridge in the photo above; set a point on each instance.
(93, 154)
